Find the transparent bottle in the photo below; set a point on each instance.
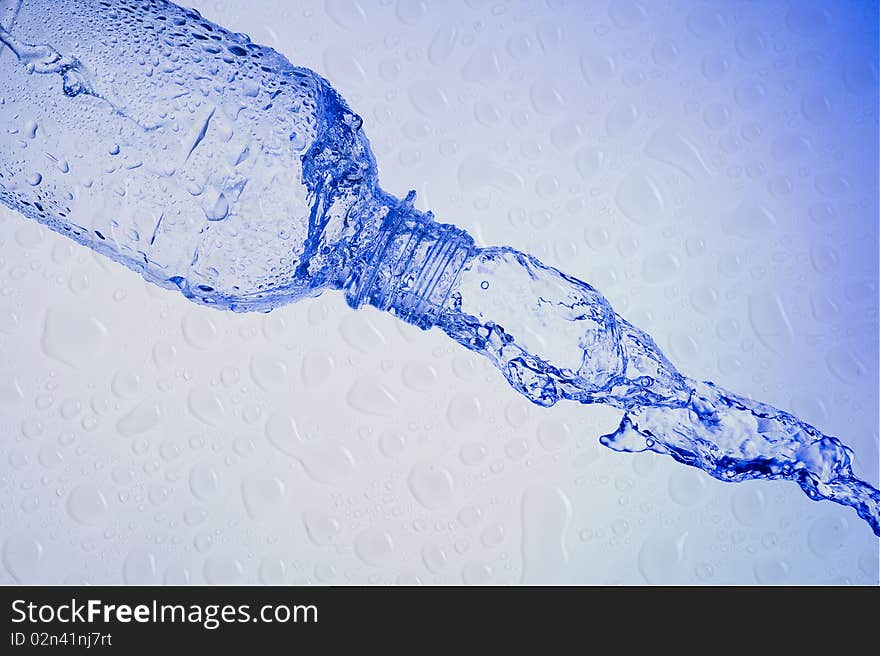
(212, 165)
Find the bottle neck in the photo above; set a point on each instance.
(412, 267)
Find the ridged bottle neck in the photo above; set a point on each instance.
(413, 266)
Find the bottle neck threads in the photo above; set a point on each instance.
(413, 266)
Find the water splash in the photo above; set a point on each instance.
(211, 165)
(730, 437)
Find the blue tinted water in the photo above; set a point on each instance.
(211, 165)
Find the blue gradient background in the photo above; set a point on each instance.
(711, 167)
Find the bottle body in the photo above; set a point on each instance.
(182, 150)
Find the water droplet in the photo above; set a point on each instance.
(639, 198)
(472, 453)
(87, 504)
(806, 19)
(546, 98)
(749, 220)
(374, 546)
(23, 556)
(371, 398)
(469, 516)
(627, 14)
(327, 461)
(588, 161)
(482, 67)
(391, 444)
(139, 568)
(704, 22)
(431, 485)
(828, 535)
(268, 371)
(662, 558)
(771, 571)
(271, 571)
(316, 368)
(660, 267)
(322, 529)
(410, 12)
(206, 406)
(176, 575)
(492, 536)
(546, 515)
(419, 376)
(218, 209)
(126, 383)
(463, 412)
(283, 434)
(222, 570)
(770, 321)
(671, 147)
(348, 14)
(553, 434)
(442, 44)
(477, 574)
(687, 487)
(10, 391)
(164, 354)
(29, 235)
(198, 329)
(203, 482)
(434, 557)
(72, 337)
(261, 495)
(145, 416)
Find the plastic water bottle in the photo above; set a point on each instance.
(212, 165)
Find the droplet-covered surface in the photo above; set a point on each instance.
(628, 521)
(176, 147)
